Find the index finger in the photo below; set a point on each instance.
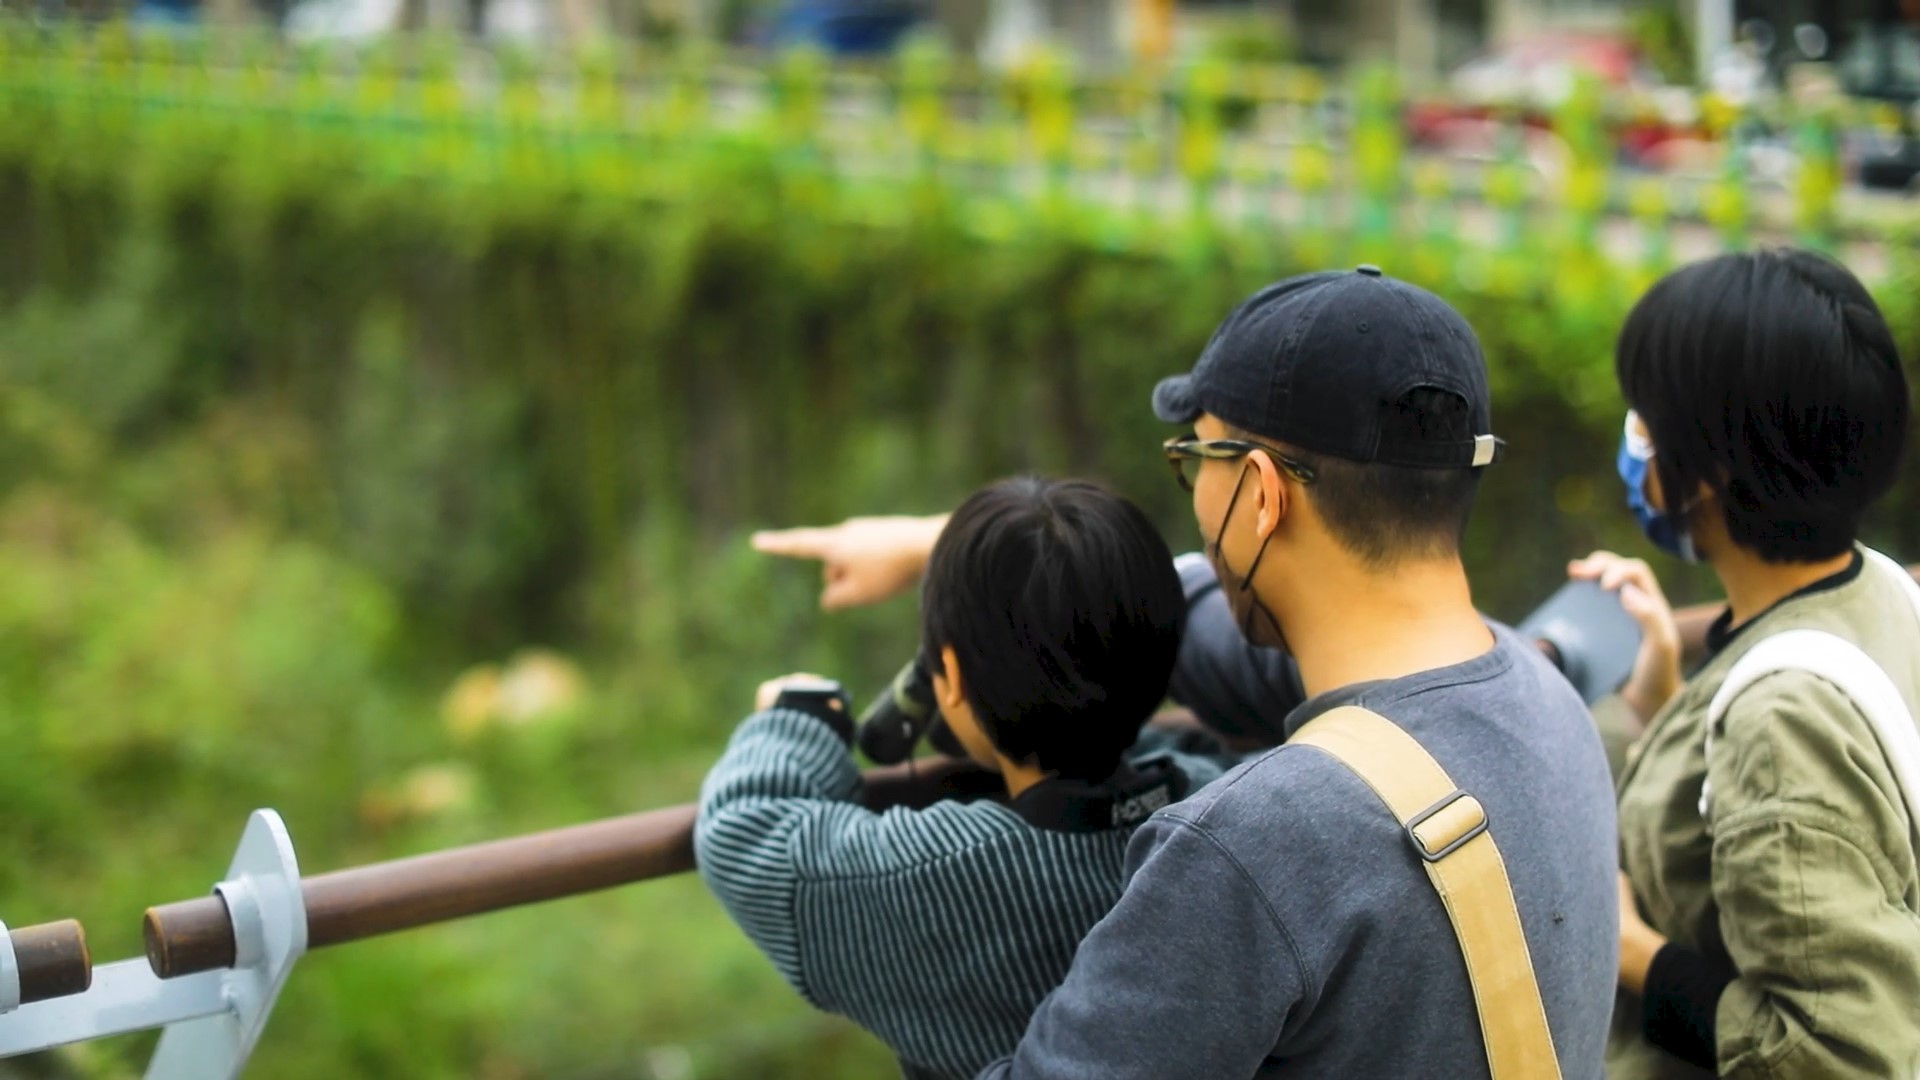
(1592, 566)
(800, 543)
(1629, 571)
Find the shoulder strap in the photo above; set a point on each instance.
(1843, 664)
(1899, 574)
(1846, 666)
(1448, 830)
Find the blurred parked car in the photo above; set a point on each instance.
(1535, 76)
(845, 27)
(355, 21)
(1880, 64)
(341, 20)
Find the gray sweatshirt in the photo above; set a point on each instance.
(1278, 923)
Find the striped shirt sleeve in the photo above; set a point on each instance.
(785, 774)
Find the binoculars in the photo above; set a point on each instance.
(904, 713)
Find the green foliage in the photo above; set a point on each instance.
(1660, 30)
(1257, 36)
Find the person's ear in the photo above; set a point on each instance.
(1272, 499)
(948, 691)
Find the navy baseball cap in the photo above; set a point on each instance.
(1328, 363)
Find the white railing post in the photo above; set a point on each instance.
(212, 1019)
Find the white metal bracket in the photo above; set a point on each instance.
(212, 1019)
(9, 973)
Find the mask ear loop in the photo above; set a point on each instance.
(1688, 549)
(1641, 447)
(1221, 533)
(1246, 582)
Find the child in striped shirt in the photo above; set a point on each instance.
(1051, 615)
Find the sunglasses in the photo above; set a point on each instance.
(1181, 450)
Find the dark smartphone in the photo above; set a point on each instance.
(1589, 636)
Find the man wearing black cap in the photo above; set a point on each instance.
(1282, 921)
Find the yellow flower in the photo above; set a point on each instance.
(472, 703)
(538, 684)
(434, 789)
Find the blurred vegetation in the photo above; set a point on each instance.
(397, 475)
(1254, 36)
(1664, 37)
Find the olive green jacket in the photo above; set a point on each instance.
(1803, 878)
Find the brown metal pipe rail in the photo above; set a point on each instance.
(53, 960)
(362, 902)
(347, 905)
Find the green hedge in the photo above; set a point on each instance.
(498, 388)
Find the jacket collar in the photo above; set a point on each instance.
(1721, 632)
(1122, 800)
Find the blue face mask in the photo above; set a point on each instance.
(1667, 532)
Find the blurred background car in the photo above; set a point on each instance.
(1880, 64)
(844, 27)
(1532, 77)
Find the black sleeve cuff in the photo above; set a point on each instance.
(836, 720)
(1682, 994)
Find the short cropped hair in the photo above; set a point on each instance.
(1771, 379)
(1064, 612)
(1389, 514)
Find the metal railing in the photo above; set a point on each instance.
(214, 965)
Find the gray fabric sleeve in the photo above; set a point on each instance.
(1190, 975)
(1236, 688)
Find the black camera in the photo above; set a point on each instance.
(903, 714)
(815, 696)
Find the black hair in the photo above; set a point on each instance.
(1770, 378)
(1064, 612)
(1388, 514)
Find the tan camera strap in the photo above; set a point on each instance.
(1448, 830)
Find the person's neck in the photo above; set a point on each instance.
(1352, 625)
(1753, 585)
(1019, 777)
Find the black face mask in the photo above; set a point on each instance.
(1217, 556)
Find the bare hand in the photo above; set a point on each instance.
(769, 691)
(1656, 669)
(864, 560)
(1638, 941)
